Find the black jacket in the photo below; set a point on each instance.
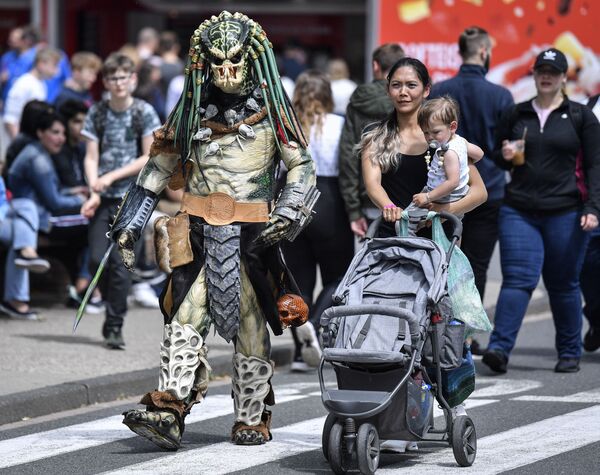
(546, 183)
(369, 103)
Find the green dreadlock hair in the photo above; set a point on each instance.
(222, 38)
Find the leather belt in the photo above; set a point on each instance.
(219, 209)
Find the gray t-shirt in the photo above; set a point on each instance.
(119, 145)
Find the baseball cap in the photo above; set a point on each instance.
(552, 57)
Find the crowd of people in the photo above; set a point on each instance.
(398, 143)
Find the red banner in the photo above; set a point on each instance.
(520, 29)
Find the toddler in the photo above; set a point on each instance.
(448, 168)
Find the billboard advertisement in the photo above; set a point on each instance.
(520, 29)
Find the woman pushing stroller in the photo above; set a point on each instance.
(369, 349)
(395, 151)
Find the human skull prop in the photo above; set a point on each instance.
(292, 309)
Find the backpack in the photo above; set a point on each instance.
(576, 116)
(137, 121)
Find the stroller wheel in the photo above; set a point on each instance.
(464, 441)
(367, 449)
(325, 437)
(339, 458)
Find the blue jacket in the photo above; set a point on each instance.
(32, 175)
(481, 106)
(3, 201)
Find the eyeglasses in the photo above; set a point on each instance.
(117, 79)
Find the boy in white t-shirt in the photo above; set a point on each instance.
(448, 168)
(29, 87)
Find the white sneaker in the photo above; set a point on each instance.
(459, 411)
(300, 367)
(95, 306)
(399, 446)
(144, 296)
(311, 351)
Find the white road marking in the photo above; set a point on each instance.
(537, 317)
(497, 453)
(19, 450)
(585, 397)
(469, 404)
(500, 387)
(225, 457)
(515, 447)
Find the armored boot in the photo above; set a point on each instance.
(251, 390)
(183, 382)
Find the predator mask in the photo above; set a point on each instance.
(226, 43)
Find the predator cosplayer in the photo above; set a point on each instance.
(222, 143)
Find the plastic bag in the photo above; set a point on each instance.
(464, 296)
(459, 383)
(466, 302)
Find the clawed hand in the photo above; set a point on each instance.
(126, 245)
(274, 231)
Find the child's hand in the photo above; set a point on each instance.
(88, 209)
(421, 200)
(102, 183)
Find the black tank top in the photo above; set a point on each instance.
(405, 180)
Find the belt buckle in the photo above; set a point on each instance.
(220, 209)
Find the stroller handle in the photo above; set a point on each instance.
(386, 310)
(457, 226)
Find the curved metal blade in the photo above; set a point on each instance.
(92, 287)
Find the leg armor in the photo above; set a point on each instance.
(183, 381)
(181, 354)
(251, 386)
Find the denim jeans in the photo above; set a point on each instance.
(590, 280)
(531, 245)
(18, 230)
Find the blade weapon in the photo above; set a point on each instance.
(92, 286)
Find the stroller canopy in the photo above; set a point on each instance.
(402, 272)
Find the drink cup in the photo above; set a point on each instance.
(519, 148)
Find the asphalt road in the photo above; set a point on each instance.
(529, 421)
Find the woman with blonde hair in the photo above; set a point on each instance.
(327, 242)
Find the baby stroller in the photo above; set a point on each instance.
(391, 323)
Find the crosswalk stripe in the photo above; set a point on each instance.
(516, 447)
(496, 453)
(470, 404)
(110, 429)
(493, 387)
(287, 441)
(585, 397)
(503, 451)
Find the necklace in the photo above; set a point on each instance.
(437, 147)
(428, 159)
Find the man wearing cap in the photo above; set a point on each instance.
(544, 221)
